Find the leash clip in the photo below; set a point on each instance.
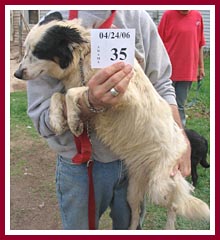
(89, 162)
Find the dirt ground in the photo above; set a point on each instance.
(33, 202)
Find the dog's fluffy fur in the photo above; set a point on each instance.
(157, 142)
(199, 151)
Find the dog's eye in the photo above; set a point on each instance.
(31, 58)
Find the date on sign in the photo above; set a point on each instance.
(112, 45)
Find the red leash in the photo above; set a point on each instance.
(73, 14)
(83, 144)
(108, 22)
(84, 149)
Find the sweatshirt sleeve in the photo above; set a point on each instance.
(162, 27)
(39, 93)
(158, 66)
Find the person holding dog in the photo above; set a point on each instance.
(106, 88)
(183, 37)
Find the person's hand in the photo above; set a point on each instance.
(116, 76)
(184, 163)
(201, 73)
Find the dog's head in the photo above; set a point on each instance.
(50, 47)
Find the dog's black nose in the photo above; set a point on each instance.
(19, 73)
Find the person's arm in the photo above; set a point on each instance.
(184, 163)
(39, 92)
(201, 71)
(158, 69)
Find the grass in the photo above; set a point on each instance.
(18, 114)
(199, 114)
(19, 121)
(198, 119)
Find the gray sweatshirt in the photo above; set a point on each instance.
(150, 53)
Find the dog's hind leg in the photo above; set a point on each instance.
(135, 197)
(171, 219)
(56, 115)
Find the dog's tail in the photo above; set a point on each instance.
(187, 205)
(203, 161)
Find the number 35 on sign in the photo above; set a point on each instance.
(109, 46)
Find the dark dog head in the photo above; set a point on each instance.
(50, 48)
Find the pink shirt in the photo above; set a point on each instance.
(183, 37)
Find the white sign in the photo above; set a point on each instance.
(109, 46)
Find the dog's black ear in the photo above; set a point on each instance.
(56, 45)
(66, 35)
(50, 17)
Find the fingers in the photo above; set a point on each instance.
(185, 170)
(183, 167)
(184, 163)
(101, 76)
(120, 87)
(115, 76)
(174, 170)
(201, 74)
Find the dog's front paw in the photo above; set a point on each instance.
(58, 125)
(56, 116)
(73, 110)
(76, 126)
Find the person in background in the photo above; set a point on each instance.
(183, 36)
(109, 173)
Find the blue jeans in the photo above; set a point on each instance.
(110, 185)
(182, 88)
